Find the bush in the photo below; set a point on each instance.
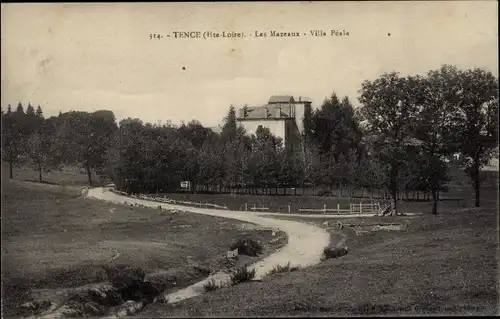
(211, 285)
(242, 274)
(123, 276)
(129, 281)
(331, 252)
(283, 268)
(247, 247)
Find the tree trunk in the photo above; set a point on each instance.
(89, 173)
(394, 196)
(477, 181)
(11, 176)
(434, 202)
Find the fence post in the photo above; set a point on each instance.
(350, 208)
(246, 206)
(324, 208)
(360, 208)
(338, 208)
(289, 208)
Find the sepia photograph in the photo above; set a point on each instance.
(249, 159)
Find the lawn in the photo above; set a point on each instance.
(54, 238)
(444, 264)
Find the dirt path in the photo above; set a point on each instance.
(304, 248)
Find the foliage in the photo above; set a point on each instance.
(283, 268)
(333, 252)
(243, 274)
(399, 139)
(211, 285)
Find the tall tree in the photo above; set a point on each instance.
(14, 137)
(389, 106)
(434, 127)
(336, 130)
(235, 144)
(42, 150)
(39, 111)
(476, 121)
(20, 108)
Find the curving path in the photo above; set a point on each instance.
(304, 248)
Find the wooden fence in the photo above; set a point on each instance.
(354, 208)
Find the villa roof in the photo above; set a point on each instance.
(281, 99)
(259, 112)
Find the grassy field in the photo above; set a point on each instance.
(54, 238)
(460, 194)
(70, 176)
(444, 264)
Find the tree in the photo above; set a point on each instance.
(13, 137)
(20, 108)
(30, 110)
(335, 129)
(389, 106)
(434, 128)
(476, 121)
(264, 167)
(42, 151)
(87, 138)
(209, 159)
(39, 112)
(236, 146)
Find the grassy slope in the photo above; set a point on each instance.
(439, 264)
(53, 238)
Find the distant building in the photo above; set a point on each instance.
(282, 115)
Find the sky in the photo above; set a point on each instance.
(89, 57)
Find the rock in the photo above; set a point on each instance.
(232, 254)
(105, 295)
(37, 306)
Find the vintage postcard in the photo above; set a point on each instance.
(236, 159)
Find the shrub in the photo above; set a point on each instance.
(247, 247)
(283, 268)
(122, 276)
(129, 281)
(211, 285)
(242, 274)
(332, 252)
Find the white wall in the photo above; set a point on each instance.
(300, 108)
